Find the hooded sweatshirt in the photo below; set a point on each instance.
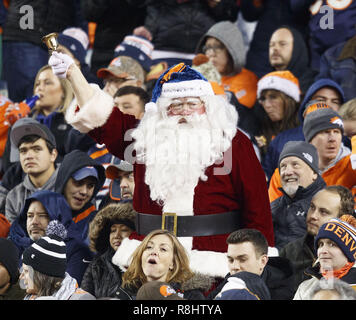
(58, 209)
(270, 161)
(242, 82)
(299, 62)
(72, 162)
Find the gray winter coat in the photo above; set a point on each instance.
(16, 197)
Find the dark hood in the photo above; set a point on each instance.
(57, 209)
(74, 161)
(317, 85)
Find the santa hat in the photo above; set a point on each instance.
(342, 231)
(180, 81)
(283, 81)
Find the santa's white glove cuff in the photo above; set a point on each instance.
(60, 63)
(123, 255)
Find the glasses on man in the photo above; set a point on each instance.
(216, 48)
(192, 104)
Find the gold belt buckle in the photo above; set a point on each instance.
(172, 214)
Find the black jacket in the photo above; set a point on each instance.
(289, 214)
(278, 276)
(301, 253)
(102, 278)
(179, 26)
(49, 16)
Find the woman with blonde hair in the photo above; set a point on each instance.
(161, 257)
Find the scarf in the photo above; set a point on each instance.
(328, 274)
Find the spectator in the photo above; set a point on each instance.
(331, 202)
(79, 179)
(333, 289)
(161, 257)
(324, 90)
(334, 243)
(324, 129)
(324, 31)
(224, 46)
(339, 64)
(269, 15)
(288, 51)
(39, 210)
(175, 27)
(278, 93)
(247, 251)
(55, 95)
(131, 100)
(38, 152)
(113, 21)
(122, 184)
(44, 268)
(106, 231)
(160, 186)
(9, 272)
(348, 114)
(300, 180)
(122, 71)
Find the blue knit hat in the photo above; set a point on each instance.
(70, 39)
(138, 48)
(340, 232)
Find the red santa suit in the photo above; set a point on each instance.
(243, 190)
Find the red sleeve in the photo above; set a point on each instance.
(112, 133)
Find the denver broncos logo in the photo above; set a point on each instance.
(178, 68)
(338, 121)
(166, 291)
(316, 106)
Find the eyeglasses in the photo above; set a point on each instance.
(192, 104)
(217, 48)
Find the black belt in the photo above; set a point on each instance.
(189, 226)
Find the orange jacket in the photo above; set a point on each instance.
(339, 174)
(244, 85)
(4, 226)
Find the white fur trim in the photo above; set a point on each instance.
(192, 88)
(123, 255)
(151, 107)
(209, 263)
(272, 252)
(277, 83)
(92, 114)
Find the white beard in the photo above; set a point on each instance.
(176, 156)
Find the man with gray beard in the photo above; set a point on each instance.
(195, 173)
(300, 180)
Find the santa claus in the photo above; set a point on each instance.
(195, 172)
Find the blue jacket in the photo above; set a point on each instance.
(341, 70)
(58, 209)
(270, 161)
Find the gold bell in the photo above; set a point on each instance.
(50, 40)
